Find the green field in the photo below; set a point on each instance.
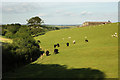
(101, 52)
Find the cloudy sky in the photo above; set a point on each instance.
(59, 12)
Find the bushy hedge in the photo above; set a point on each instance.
(40, 29)
(11, 29)
(14, 56)
(23, 50)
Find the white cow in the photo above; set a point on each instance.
(73, 41)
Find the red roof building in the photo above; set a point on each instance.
(94, 23)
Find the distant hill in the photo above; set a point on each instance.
(64, 24)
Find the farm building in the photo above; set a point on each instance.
(94, 23)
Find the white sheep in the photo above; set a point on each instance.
(69, 37)
(115, 33)
(85, 37)
(112, 35)
(73, 41)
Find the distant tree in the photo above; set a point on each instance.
(109, 21)
(17, 24)
(9, 34)
(35, 21)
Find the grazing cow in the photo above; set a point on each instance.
(56, 51)
(33, 36)
(55, 45)
(115, 33)
(67, 44)
(42, 52)
(58, 44)
(86, 40)
(47, 53)
(74, 42)
(39, 41)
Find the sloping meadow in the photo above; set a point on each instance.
(100, 52)
(97, 58)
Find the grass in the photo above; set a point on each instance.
(5, 40)
(100, 53)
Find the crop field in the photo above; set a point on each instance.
(100, 52)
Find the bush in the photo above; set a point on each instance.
(9, 35)
(23, 50)
(3, 32)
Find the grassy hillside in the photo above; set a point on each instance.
(101, 52)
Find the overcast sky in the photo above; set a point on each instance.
(59, 12)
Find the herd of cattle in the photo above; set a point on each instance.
(56, 51)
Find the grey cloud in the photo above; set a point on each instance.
(86, 13)
(70, 14)
(18, 7)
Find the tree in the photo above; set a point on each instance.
(13, 29)
(35, 21)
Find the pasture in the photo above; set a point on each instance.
(101, 51)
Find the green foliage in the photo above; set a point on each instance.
(20, 52)
(35, 31)
(10, 30)
(3, 31)
(23, 50)
(34, 21)
(23, 32)
(9, 34)
(8, 57)
(13, 29)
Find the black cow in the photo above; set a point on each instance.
(55, 45)
(56, 51)
(42, 52)
(67, 44)
(58, 44)
(86, 40)
(47, 53)
(39, 41)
